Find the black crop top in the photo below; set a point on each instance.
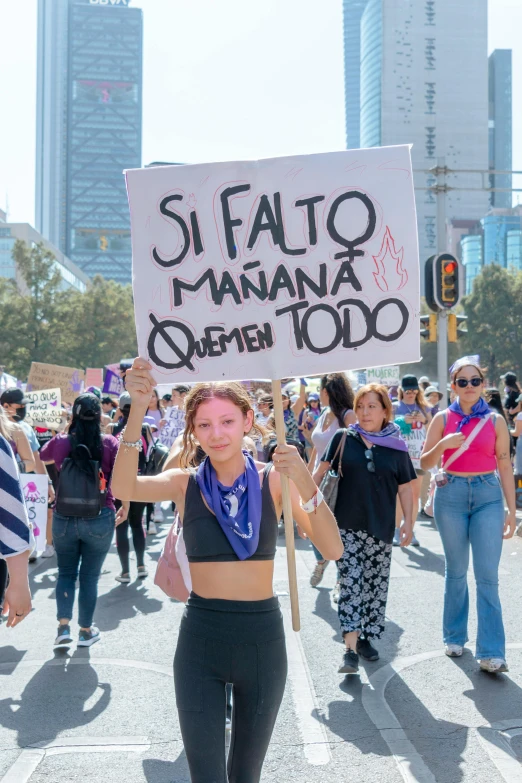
(206, 542)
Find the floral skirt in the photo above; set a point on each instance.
(364, 574)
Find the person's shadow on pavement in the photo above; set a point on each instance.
(159, 771)
(53, 702)
(124, 602)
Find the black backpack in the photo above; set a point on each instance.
(79, 492)
(157, 457)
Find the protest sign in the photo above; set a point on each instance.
(35, 492)
(276, 267)
(388, 376)
(48, 376)
(45, 408)
(175, 423)
(93, 377)
(113, 383)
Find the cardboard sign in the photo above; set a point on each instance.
(388, 376)
(45, 408)
(35, 491)
(48, 376)
(93, 377)
(274, 268)
(175, 424)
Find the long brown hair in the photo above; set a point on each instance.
(420, 399)
(203, 392)
(7, 428)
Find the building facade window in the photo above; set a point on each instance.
(371, 73)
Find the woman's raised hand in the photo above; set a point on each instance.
(139, 382)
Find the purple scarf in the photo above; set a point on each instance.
(478, 411)
(389, 437)
(237, 508)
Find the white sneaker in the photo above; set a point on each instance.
(454, 650)
(49, 551)
(336, 591)
(493, 665)
(397, 537)
(123, 578)
(152, 529)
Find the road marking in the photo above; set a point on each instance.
(496, 739)
(315, 741)
(30, 758)
(409, 762)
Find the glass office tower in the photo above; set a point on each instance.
(500, 125)
(352, 12)
(88, 129)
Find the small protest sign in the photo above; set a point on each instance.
(45, 408)
(93, 377)
(388, 376)
(277, 267)
(48, 376)
(113, 383)
(175, 424)
(35, 492)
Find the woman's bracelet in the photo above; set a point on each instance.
(311, 505)
(135, 444)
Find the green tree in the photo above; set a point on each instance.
(494, 310)
(100, 324)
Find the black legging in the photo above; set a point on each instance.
(138, 537)
(237, 642)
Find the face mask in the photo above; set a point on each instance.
(20, 414)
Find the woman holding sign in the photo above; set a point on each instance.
(232, 628)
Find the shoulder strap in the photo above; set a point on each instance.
(339, 451)
(469, 440)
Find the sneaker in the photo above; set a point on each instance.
(142, 572)
(454, 650)
(414, 541)
(366, 650)
(123, 578)
(493, 665)
(336, 591)
(152, 529)
(318, 573)
(86, 638)
(49, 551)
(423, 515)
(350, 664)
(64, 638)
(397, 537)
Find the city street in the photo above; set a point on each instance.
(415, 715)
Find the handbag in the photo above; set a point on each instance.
(330, 483)
(172, 569)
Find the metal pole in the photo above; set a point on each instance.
(442, 317)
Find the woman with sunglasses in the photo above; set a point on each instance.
(469, 510)
(375, 468)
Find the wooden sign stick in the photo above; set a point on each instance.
(287, 508)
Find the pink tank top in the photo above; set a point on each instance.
(480, 457)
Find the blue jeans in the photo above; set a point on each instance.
(81, 544)
(470, 511)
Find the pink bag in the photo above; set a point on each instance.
(169, 576)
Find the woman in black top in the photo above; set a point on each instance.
(232, 630)
(375, 467)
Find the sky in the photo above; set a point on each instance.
(223, 79)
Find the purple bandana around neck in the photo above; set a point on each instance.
(389, 437)
(478, 411)
(237, 508)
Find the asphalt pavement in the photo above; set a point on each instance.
(415, 715)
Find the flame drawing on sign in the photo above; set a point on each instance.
(385, 261)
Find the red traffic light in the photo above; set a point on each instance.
(450, 267)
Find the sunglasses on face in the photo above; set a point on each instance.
(370, 464)
(463, 382)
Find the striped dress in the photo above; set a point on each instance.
(16, 535)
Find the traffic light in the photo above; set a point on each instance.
(429, 328)
(443, 283)
(454, 322)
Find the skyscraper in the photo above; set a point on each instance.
(89, 108)
(352, 12)
(424, 82)
(500, 124)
